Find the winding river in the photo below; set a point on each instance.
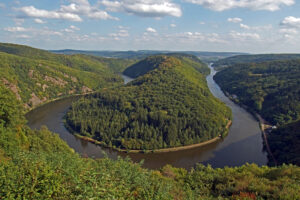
(243, 144)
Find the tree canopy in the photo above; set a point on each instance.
(169, 106)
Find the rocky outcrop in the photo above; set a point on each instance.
(14, 88)
(56, 81)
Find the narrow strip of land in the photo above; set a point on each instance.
(264, 125)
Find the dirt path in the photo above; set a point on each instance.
(264, 125)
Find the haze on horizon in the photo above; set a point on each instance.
(254, 26)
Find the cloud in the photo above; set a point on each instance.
(256, 28)
(2, 6)
(121, 33)
(291, 22)
(221, 5)
(244, 26)
(18, 21)
(31, 11)
(144, 8)
(16, 29)
(39, 21)
(290, 27)
(71, 29)
(173, 25)
(33, 32)
(234, 20)
(244, 36)
(151, 30)
(72, 12)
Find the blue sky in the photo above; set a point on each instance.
(254, 26)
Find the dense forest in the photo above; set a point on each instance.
(169, 106)
(270, 88)
(37, 164)
(284, 143)
(152, 62)
(36, 76)
(221, 63)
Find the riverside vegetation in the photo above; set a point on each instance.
(271, 89)
(37, 76)
(169, 106)
(37, 164)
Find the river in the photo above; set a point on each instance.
(243, 144)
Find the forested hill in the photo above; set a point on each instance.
(152, 62)
(253, 59)
(285, 143)
(273, 90)
(37, 164)
(269, 88)
(36, 76)
(169, 106)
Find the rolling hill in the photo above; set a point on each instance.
(169, 106)
(36, 76)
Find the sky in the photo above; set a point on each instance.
(252, 26)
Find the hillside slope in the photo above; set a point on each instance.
(285, 143)
(169, 106)
(269, 88)
(37, 164)
(152, 62)
(36, 76)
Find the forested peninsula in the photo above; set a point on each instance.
(170, 105)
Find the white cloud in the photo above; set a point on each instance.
(33, 32)
(121, 33)
(71, 29)
(235, 20)
(39, 21)
(291, 22)
(72, 12)
(16, 29)
(267, 27)
(144, 8)
(244, 36)
(31, 11)
(244, 26)
(220, 5)
(151, 30)
(173, 25)
(288, 31)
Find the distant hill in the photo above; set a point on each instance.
(152, 62)
(169, 105)
(141, 54)
(253, 59)
(36, 76)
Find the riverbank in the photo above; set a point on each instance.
(57, 99)
(165, 150)
(263, 124)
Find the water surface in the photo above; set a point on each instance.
(243, 143)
